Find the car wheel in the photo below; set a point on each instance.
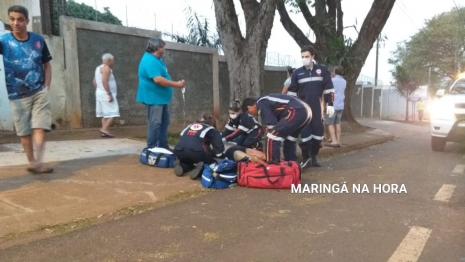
(438, 143)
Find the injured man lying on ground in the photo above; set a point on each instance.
(240, 153)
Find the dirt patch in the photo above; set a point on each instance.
(353, 128)
(46, 231)
(170, 251)
(168, 228)
(309, 201)
(210, 237)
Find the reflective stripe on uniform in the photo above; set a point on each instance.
(273, 137)
(204, 132)
(182, 133)
(290, 138)
(243, 128)
(310, 79)
(230, 127)
(274, 99)
(310, 137)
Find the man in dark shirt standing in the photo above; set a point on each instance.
(309, 83)
(28, 74)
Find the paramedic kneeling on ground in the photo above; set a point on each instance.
(194, 148)
(285, 117)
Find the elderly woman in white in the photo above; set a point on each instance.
(105, 94)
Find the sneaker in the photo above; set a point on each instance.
(306, 162)
(315, 162)
(178, 168)
(197, 171)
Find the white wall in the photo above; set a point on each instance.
(6, 120)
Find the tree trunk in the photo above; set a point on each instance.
(245, 55)
(351, 78)
(406, 109)
(246, 70)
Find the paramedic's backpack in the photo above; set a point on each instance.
(219, 176)
(158, 157)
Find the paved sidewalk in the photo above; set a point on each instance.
(94, 178)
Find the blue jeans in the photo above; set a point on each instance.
(158, 122)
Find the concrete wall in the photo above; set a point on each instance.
(85, 42)
(33, 7)
(274, 80)
(125, 72)
(193, 64)
(78, 51)
(207, 80)
(58, 88)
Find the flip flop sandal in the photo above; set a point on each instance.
(40, 170)
(103, 134)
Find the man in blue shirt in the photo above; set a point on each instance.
(28, 75)
(156, 91)
(334, 123)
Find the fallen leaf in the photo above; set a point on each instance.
(48, 230)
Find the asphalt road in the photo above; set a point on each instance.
(424, 224)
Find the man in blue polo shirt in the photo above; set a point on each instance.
(28, 75)
(156, 91)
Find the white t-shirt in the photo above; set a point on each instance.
(100, 93)
(288, 81)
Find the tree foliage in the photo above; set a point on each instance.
(83, 11)
(404, 80)
(440, 44)
(325, 20)
(200, 32)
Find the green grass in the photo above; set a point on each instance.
(173, 138)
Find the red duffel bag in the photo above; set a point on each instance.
(282, 175)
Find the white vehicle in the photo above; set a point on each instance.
(447, 119)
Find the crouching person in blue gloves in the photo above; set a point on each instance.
(199, 144)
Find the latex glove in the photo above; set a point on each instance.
(224, 140)
(330, 111)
